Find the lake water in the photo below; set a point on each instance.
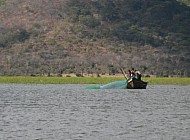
(71, 112)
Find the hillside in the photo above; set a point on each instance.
(70, 36)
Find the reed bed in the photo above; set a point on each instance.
(168, 81)
(56, 80)
(87, 80)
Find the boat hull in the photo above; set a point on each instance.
(136, 84)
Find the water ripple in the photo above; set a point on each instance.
(70, 112)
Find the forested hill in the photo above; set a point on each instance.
(94, 36)
(150, 22)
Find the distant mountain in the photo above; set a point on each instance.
(96, 36)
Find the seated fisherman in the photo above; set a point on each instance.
(138, 74)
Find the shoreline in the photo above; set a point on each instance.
(88, 80)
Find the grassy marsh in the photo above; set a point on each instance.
(87, 80)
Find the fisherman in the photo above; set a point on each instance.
(138, 74)
(132, 73)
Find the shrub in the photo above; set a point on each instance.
(79, 75)
(9, 37)
(89, 21)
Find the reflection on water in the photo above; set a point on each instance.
(71, 112)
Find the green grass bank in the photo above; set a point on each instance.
(87, 80)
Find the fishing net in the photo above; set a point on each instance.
(93, 87)
(114, 85)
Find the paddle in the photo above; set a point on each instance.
(123, 72)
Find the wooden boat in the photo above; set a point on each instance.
(136, 84)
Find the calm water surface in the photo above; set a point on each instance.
(71, 112)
